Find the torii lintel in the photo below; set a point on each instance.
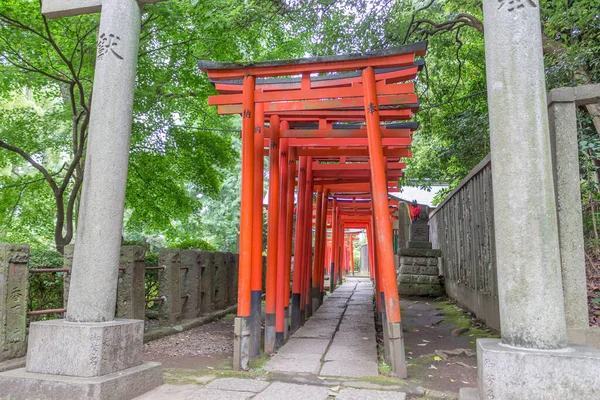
(70, 8)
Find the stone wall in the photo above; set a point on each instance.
(462, 227)
(191, 284)
(418, 274)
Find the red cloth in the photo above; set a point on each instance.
(416, 211)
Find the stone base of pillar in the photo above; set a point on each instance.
(269, 333)
(71, 360)
(241, 343)
(316, 297)
(395, 344)
(584, 336)
(513, 373)
(295, 317)
(286, 324)
(255, 323)
(123, 385)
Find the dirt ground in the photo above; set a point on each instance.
(435, 357)
(206, 347)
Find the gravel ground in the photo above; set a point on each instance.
(207, 346)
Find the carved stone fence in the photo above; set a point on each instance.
(191, 284)
(462, 227)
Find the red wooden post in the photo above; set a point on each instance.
(308, 249)
(289, 233)
(298, 254)
(281, 240)
(384, 226)
(242, 331)
(257, 227)
(272, 242)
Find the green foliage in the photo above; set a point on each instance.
(45, 290)
(194, 244)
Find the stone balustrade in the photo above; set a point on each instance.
(191, 284)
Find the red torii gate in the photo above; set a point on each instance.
(372, 94)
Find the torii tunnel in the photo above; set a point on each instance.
(335, 130)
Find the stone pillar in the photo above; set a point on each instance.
(190, 283)
(207, 281)
(220, 281)
(531, 360)
(530, 285)
(169, 286)
(14, 287)
(131, 300)
(565, 155)
(67, 263)
(233, 279)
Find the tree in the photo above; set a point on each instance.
(179, 146)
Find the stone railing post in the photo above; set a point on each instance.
(232, 278)
(169, 285)
(131, 301)
(14, 286)
(67, 263)
(191, 284)
(220, 278)
(207, 281)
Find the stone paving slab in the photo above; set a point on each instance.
(304, 346)
(215, 394)
(304, 363)
(353, 353)
(169, 392)
(238, 385)
(350, 337)
(280, 390)
(362, 394)
(315, 332)
(350, 369)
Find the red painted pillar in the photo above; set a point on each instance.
(289, 233)
(316, 279)
(298, 253)
(385, 256)
(334, 246)
(323, 254)
(272, 242)
(308, 243)
(257, 228)
(281, 240)
(242, 324)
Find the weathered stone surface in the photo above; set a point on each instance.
(171, 392)
(280, 390)
(14, 287)
(294, 362)
(190, 283)
(419, 231)
(131, 301)
(220, 281)
(348, 369)
(565, 153)
(304, 346)
(511, 373)
(124, 385)
(527, 247)
(94, 275)
(169, 286)
(67, 263)
(362, 394)
(238, 385)
(345, 352)
(216, 394)
(420, 253)
(207, 281)
(92, 349)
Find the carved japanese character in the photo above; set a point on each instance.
(247, 114)
(258, 129)
(107, 44)
(512, 5)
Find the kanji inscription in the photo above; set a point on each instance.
(512, 5)
(108, 45)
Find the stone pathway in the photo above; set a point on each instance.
(338, 340)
